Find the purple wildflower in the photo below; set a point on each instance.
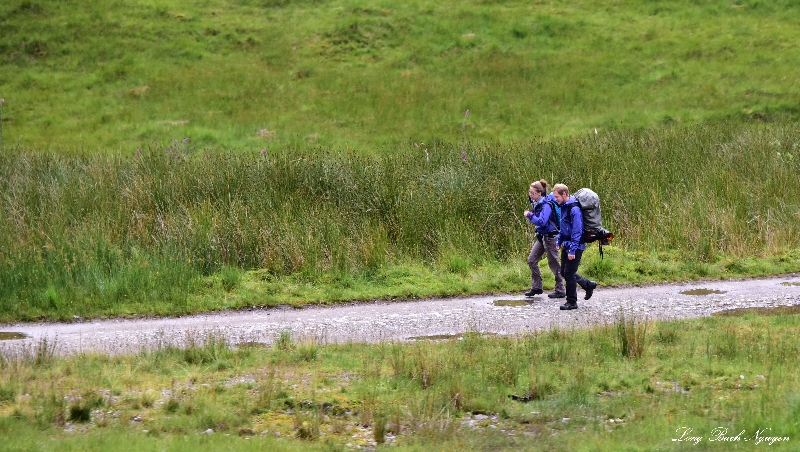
(466, 114)
(263, 152)
(463, 156)
(2, 101)
(138, 152)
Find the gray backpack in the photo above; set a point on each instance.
(590, 207)
(592, 221)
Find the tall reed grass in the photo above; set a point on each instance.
(84, 233)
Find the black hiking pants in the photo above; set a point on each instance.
(569, 270)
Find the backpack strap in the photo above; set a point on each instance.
(554, 214)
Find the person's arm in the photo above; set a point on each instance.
(576, 230)
(528, 213)
(543, 217)
(559, 237)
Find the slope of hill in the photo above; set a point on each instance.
(253, 74)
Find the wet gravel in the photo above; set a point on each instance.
(406, 320)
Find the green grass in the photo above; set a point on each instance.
(115, 75)
(362, 193)
(629, 385)
(170, 232)
(418, 281)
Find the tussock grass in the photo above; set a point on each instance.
(579, 389)
(632, 335)
(168, 232)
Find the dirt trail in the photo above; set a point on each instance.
(401, 321)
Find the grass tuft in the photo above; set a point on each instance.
(632, 336)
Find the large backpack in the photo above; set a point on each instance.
(592, 221)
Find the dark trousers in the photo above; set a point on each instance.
(569, 270)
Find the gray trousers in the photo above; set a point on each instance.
(540, 247)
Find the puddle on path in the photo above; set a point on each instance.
(11, 335)
(702, 292)
(776, 310)
(514, 303)
(447, 337)
(787, 283)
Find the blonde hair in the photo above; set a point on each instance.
(561, 189)
(540, 186)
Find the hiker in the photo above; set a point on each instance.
(571, 246)
(545, 217)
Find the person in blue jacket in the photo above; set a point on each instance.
(569, 241)
(546, 219)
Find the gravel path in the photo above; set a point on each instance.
(407, 320)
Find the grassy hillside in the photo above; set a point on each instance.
(252, 74)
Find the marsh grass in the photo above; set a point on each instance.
(284, 341)
(307, 425)
(735, 372)
(632, 335)
(81, 410)
(166, 232)
(230, 278)
(266, 390)
(307, 350)
(212, 348)
(40, 355)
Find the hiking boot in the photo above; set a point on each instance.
(590, 289)
(556, 295)
(568, 306)
(533, 292)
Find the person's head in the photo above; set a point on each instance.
(561, 193)
(538, 189)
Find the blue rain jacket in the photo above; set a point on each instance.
(543, 216)
(571, 226)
